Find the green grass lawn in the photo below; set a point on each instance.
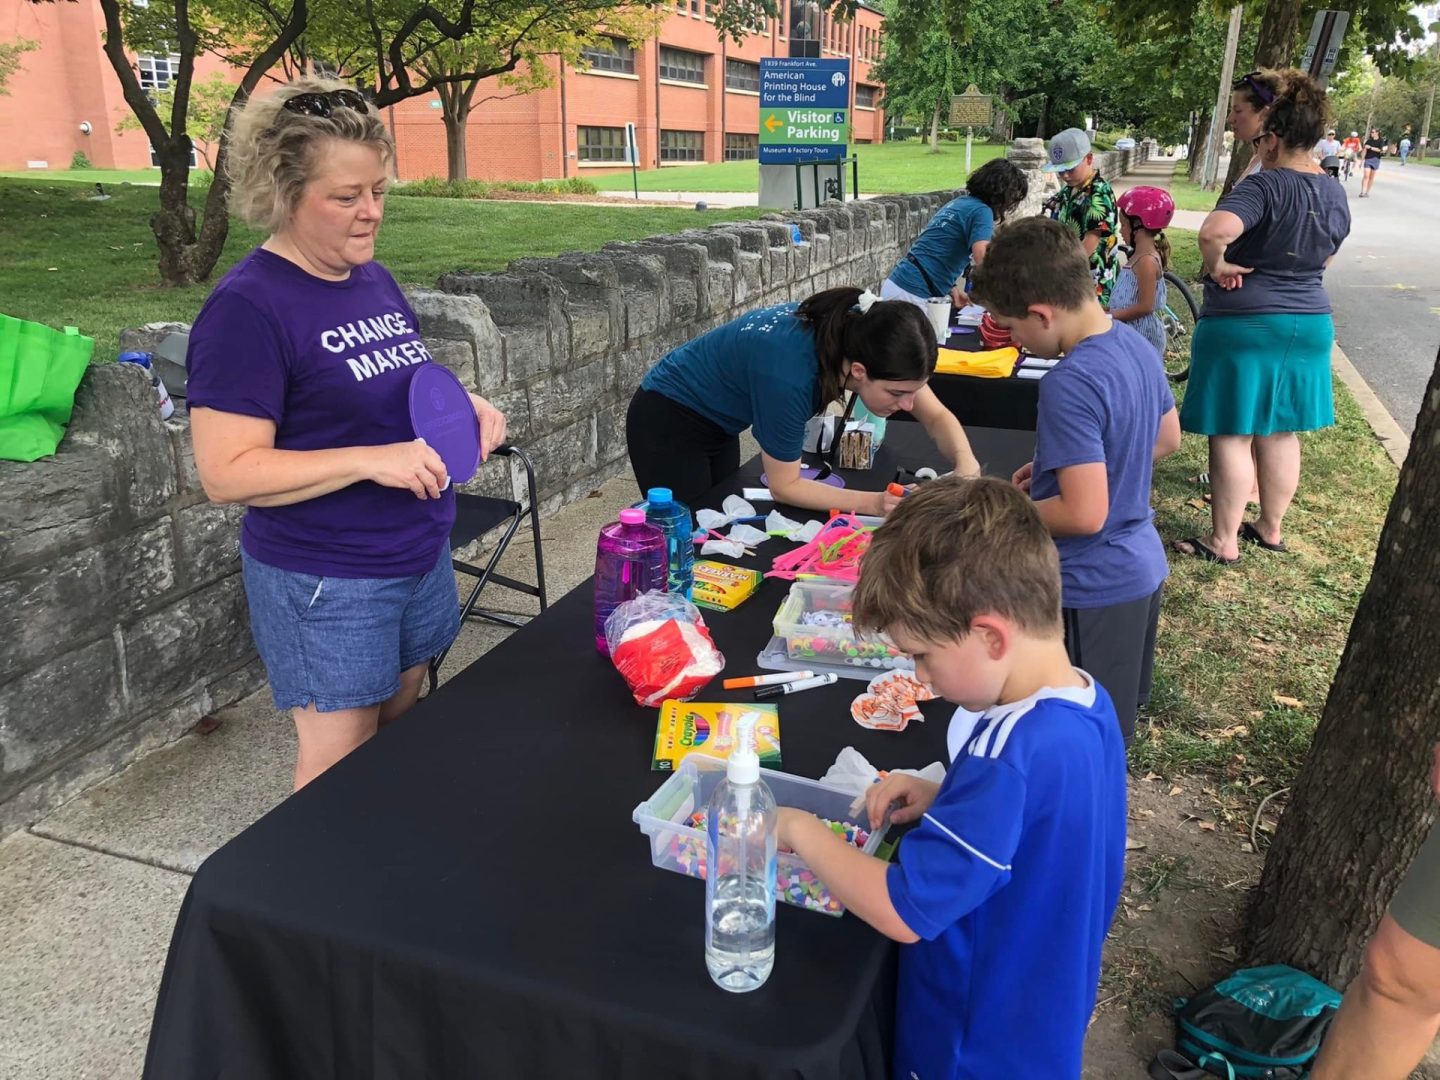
(87, 176)
(888, 168)
(1191, 196)
(67, 260)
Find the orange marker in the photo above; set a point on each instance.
(767, 680)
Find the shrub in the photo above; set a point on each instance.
(80, 161)
(434, 187)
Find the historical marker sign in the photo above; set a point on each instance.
(971, 109)
(804, 109)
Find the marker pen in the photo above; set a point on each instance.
(795, 687)
(767, 680)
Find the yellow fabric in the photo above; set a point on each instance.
(995, 364)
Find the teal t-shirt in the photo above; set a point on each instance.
(943, 249)
(758, 371)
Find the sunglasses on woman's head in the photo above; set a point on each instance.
(323, 104)
(1252, 80)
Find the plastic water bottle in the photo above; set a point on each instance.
(629, 559)
(740, 871)
(162, 396)
(673, 519)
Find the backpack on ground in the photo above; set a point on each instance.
(1264, 1022)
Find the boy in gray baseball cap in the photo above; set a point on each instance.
(1086, 204)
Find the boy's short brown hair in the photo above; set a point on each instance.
(1033, 260)
(956, 549)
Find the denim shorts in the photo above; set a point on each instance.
(342, 643)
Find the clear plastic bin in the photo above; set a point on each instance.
(675, 845)
(832, 644)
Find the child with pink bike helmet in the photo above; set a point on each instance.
(1139, 292)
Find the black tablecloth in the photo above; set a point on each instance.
(994, 403)
(467, 896)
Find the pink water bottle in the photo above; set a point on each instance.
(630, 559)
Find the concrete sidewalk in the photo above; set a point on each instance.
(1158, 172)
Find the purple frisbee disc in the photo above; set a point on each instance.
(834, 479)
(442, 414)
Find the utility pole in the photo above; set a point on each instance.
(1374, 97)
(1222, 101)
(1425, 127)
(1430, 102)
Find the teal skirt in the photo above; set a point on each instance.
(1259, 375)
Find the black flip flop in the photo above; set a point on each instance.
(1202, 552)
(1252, 534)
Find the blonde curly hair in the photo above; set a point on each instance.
(272, 151)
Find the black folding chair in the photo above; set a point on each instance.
(478, 515)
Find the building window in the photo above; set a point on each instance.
(601, 144)
(695, 8)
(682, 66)
(155, 158)
(740, 75)
(682, 146)
(610, 54)
(864, 96)
(742, 147)
(156, 72)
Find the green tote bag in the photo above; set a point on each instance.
(40, 369)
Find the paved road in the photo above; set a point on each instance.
(1385, 285)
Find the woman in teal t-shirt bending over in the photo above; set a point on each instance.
(772, 370)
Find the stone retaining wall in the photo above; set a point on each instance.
(122, 615)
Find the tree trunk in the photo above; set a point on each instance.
(1362, 803)
(1279, 35)
(456, 157)
(1044, 122)
(935, 130)
(188, 257)
(1003, 129)
(1199, 136)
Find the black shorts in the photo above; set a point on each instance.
(1116, 646)
(674, 446)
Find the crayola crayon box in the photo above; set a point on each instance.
(699, 727)
(722, 587)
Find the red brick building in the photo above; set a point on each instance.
(692, 95)
(65, 98)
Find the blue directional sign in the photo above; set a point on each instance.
(804, 109)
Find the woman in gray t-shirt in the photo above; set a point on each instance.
(1260, 357)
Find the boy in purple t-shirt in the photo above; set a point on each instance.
(1106, 414)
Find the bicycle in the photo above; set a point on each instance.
(1177, 350)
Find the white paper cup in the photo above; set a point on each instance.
(939, 313)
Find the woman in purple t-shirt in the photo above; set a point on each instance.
(298, 377)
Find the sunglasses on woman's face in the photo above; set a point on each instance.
(322, 105)
(1252, 80)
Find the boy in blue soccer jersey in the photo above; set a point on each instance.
(1002, 895)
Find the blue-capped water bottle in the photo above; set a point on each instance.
(740, 870)
(673, 519)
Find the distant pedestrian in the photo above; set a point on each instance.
(1404, 148)
(1374, 151)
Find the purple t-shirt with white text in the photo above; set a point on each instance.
(330, 363)
(1103, 403)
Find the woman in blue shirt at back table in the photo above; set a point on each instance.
(772, 370)
(957, 236)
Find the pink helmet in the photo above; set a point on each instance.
(1153, 206)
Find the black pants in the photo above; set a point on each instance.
(1116, 646)
(675, 447)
